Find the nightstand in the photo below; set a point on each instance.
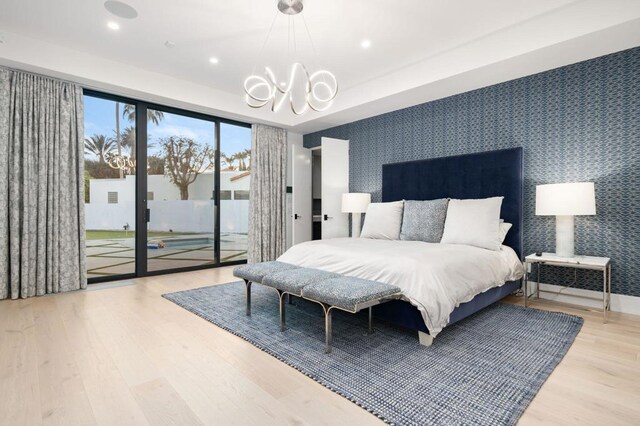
(602, 264)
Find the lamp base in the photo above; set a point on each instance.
(565, 236)
(356, 219)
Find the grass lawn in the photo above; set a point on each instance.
(106, 235)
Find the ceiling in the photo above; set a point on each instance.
(420, 49)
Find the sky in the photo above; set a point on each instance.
(100, 118)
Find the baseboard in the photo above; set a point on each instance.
(619, 302)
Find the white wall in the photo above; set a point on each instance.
(163, 189)
(168, 211)
(176, 215)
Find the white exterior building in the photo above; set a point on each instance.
(112, 204)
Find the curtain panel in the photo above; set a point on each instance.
(42, 246)
(267, 204)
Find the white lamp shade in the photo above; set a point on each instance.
(355, 202)
(566, 199)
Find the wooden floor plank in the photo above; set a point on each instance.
(121, 354)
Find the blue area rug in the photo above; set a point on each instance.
(483, 370)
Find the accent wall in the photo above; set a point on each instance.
(580, 122)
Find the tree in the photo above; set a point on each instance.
(229, 160)
(98, 145)
(155, 165)
(87, 186)
(98, 170)
(244, 158)
(153, 115)
(118, 136)
(184, 160)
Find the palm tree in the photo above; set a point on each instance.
(118, 136)
(229, 160)
(129, 112)
(98, 145)
(242, 156)
(153, 115)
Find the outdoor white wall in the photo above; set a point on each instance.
(163, 189)
(176, 215)
(167, 210)
(109, 217)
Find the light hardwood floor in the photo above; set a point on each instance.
(123, 355)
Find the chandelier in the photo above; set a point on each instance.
(121, 162)
(302, 90)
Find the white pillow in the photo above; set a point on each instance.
(383, 221)
(504, 228)
(474, 223)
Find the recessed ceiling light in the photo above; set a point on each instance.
(365, 44)
(113, 25)
(213, 60)
(121, 10)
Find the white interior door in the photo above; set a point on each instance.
(301, 196)
(335, 182)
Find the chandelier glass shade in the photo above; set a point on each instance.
(301, 90)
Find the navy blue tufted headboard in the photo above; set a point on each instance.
(479, 175)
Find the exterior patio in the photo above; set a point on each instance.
(116, 256)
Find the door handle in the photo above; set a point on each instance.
(148, 215)
(327, 217)
(295, 216)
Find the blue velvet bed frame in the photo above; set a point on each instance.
(480, 175)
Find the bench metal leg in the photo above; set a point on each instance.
(283, 295)
(248, 284)
(370, 319)
(328, 329)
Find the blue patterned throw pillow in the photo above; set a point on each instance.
(424, 220)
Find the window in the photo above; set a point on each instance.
(240, 195)
(122, 213)
(112, 197)
(235, 177)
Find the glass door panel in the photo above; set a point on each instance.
(181, 227)
(235, 177)
(110, 182)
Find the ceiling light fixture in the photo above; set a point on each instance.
(316, 90)
(121, 10)
(365, 44)
(113, 25)
(213, 60)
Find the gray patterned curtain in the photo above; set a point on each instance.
(42, 247)
(267, 226)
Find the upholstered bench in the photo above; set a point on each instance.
(330, 290)
(348, 294)
(292, 282)
(255, 273)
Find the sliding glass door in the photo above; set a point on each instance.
(109, 183)
(235, 176)
(165, 189)
(181, 227)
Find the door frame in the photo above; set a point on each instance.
(141, 184)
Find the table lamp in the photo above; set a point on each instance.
(355, 203)
(564, 201)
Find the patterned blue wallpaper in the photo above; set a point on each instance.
(576, 123)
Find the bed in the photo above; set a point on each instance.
(441, 283)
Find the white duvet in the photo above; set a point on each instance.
(435, 278)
